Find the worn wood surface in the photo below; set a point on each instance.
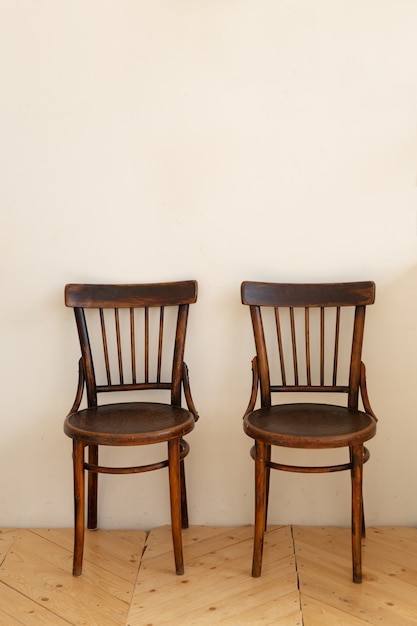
(128, 578)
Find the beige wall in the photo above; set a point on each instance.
(220, 140)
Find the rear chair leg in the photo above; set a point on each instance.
(184, 507)
(92, 489)
(267, 481)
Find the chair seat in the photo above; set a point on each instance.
(129, 423)
(309, 425)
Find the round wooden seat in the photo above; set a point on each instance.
(304, 425)
(129, 423)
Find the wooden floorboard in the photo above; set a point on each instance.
(216, 587)
(388, 593)
(128, 578)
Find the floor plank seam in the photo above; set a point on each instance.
(145, 545)
(297, 573)
(135, 584)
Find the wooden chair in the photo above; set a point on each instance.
(302, 345)
(115, 324)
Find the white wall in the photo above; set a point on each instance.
(222, 141)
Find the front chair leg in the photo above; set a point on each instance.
(357, 511)
(79, 506)
(175, 500)
(260, 506)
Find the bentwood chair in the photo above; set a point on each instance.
(303, 346)
(132, 339)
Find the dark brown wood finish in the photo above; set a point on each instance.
(317, 348)
(132, 338)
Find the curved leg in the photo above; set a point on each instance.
(260, 507)
(175, 499)
(357, 518)
(92, 489)
(79, 506)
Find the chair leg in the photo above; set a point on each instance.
(357, 511)
(175, 500)
(79, 506)
(260, 507)
(363, 510)
(184, 507)
(92, 489)
(267, 481)
(363, 521)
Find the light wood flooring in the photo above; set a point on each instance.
(129, 580)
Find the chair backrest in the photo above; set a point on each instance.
(308, 337)
(132, 337)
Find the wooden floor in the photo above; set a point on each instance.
(128, 578)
